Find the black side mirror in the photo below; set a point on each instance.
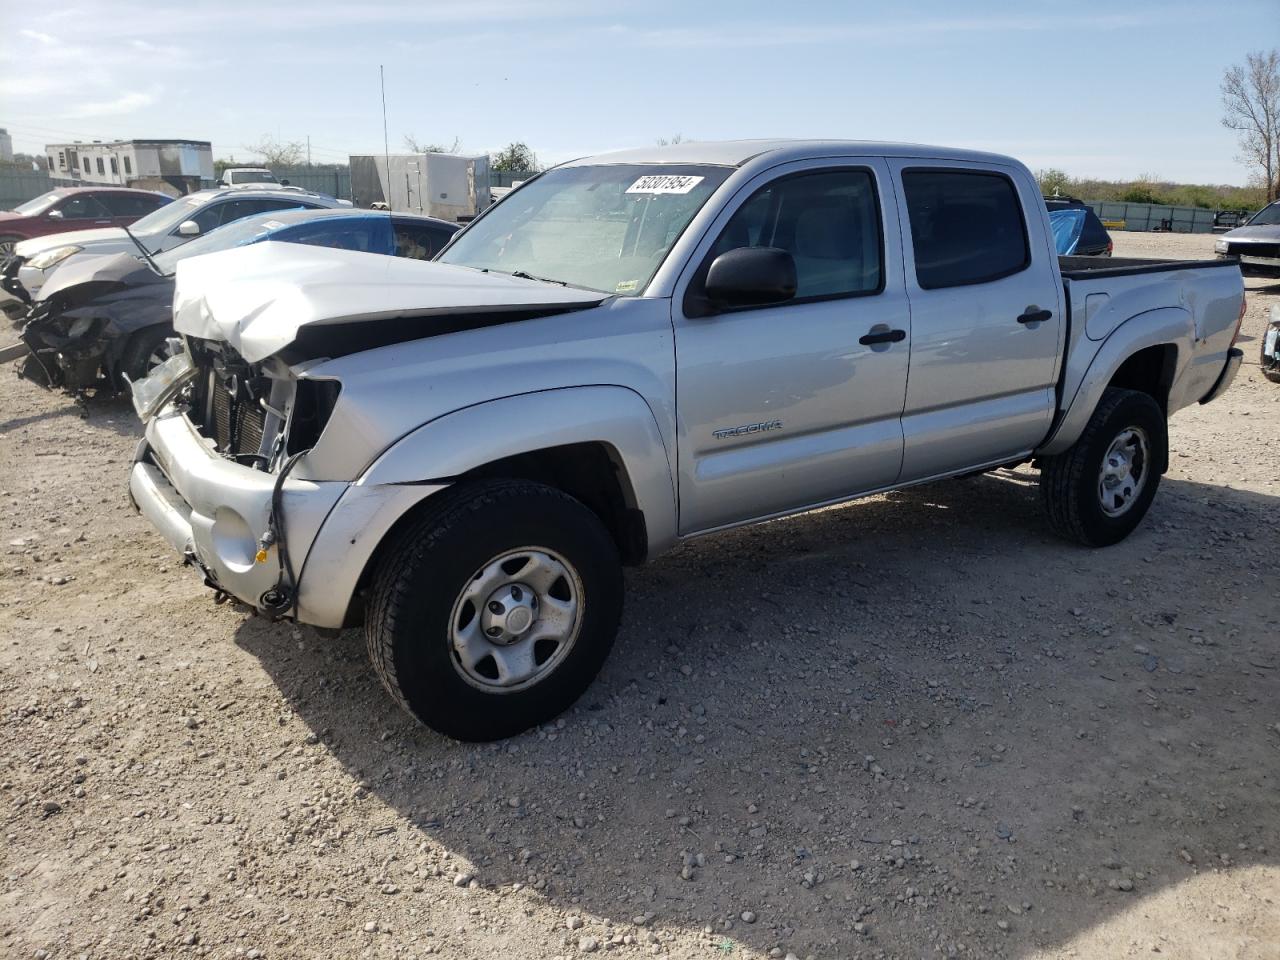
(751, 277)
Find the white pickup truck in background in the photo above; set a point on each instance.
(638, 348)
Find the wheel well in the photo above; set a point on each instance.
(1150, 370)
(591, 473)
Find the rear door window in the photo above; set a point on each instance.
(419, 241)
(966, 227)
(129, 206)
(229, 211)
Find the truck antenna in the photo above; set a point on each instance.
(386, 143)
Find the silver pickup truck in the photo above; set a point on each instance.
(632, 350)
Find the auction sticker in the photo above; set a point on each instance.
(664, 183)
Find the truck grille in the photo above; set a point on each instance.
(1254, 249)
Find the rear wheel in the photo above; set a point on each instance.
(495, 610)
(1099, 490)
(146, 350)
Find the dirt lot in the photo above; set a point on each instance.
(915, 726)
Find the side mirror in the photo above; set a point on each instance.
(189, 228)
(751, 277)
(54, 214)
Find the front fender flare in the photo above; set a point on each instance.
(427, 460)
(1165, 326)
(473, 436)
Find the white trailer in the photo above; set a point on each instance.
(444, 185)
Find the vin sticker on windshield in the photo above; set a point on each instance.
(664, 183)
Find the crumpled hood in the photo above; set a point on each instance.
(258, 297)
(110, 268)
(1266, 234)
(107, 239)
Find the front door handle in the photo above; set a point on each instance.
(883, 336)
(1035, 316)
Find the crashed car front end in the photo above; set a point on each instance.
(213, 473)
(77, 338)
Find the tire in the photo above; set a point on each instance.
(1270, 368)
(7, 242)
(433, 598)
(143, 353)
(1098, 509)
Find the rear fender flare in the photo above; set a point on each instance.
(1161, 327)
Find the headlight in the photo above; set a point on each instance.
(50, 258)
(1220, 246)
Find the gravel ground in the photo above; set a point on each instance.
(914, 726)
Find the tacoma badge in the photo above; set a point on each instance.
(746, 428)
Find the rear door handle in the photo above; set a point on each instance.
(1036, 316)
(883, 336)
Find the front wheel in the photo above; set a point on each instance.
(146, 350)
(7, 242)
(1098, 491)
(495, 609)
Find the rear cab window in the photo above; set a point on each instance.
(967, 227)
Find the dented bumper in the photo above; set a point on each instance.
(215, 513)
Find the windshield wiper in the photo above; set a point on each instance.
(529, 276)
(145, 253)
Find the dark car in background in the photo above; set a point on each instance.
(1094, 239)
(105, 320)
(75, 208)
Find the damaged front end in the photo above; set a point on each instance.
(78, 339)
(213, 474)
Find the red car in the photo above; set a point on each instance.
(75, 208)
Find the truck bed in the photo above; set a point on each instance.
(1082, 268)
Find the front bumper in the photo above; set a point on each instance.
(214, 512)
(1267, 264)
(1234, 358)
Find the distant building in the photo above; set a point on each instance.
(178, 165)
(6, 146)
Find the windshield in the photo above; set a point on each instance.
(242, 231)
(1268, 216)
(606, 228)
(38, 205)
(252, 176)
(169, 216)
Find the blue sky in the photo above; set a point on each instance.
(1099, 89)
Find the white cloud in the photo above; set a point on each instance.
(47, 39)
(127, 103)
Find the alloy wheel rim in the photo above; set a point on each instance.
(1124, 471)
(516, 620)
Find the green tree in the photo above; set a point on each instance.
(1053, 181)
(515, 157)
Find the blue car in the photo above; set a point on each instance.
(105, 321)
